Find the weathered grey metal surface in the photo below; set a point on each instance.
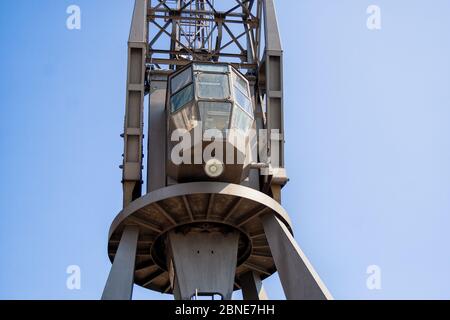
(138, 30)
(299, 279)
(272, 69)
(119, 285)
(205, 262)
(163, 210)
(256, 22)
(157, 131)
(252, 287)
(134, 110)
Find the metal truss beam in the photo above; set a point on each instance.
(170, 21)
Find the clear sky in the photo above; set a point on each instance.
(368, 144)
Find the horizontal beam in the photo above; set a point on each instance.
(140, 251)
(145, 224)
(200, 54)
(250, 22)
(256, 268)
(174, 12)
(162, 61)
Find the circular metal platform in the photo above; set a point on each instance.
(197, 204)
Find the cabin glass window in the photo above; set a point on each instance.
(181, 80)
(182, 98)
(215, 115)
(242, 94)
(213, 86)
(241, 120)
(211, 68)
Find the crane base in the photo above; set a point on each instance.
(210, 205)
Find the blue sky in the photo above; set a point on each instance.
(368, 144)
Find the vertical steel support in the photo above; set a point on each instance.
(134, 110)
(251, 50)
(119, 285)
(174, 45)
(157, 131)
(298, 277)
(253, 180)
(273, 66)
(203, 263)
(252, 287)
